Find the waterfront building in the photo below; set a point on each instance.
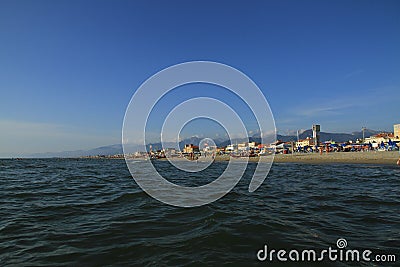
(252, 144)
(305, 142)
(242, 147)
(380, 137)
(190, 148)
(396, 132)
(230, 148)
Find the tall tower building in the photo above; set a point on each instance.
(316, 128)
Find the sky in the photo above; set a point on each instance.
(68, 69)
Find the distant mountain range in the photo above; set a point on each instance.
(117, 148)
(338, 137)
(104, 150)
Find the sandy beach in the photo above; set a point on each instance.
(372, 157)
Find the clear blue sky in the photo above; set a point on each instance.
(69, 68)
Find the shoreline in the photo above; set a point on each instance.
(370, 157)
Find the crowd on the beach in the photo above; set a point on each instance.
(349, 147)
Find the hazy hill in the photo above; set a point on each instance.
(324, 136)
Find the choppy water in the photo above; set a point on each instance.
(91, 213)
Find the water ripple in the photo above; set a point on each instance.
(91, 212)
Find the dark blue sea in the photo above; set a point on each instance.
(90, 212)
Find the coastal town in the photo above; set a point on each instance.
(383, 141)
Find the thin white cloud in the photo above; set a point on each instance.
(322, 110)
(353, 73)
(344, 112)
(340, 105)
